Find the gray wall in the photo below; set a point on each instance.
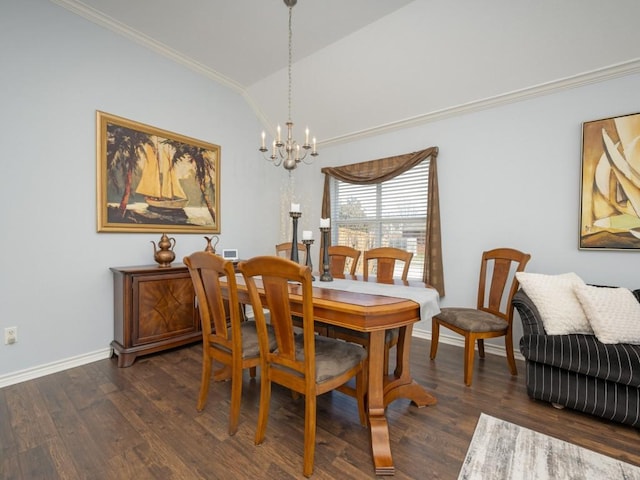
(509, 176)
(57, 70)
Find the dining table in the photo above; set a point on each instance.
(373, 307)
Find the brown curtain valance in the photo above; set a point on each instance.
(383, 169)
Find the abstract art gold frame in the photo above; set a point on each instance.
(155, 181)
(610, 187)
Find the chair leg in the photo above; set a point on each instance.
(309, 433)
(252, 372)
(385, 367)
(469, 351)
(435, 335)
(236, 398)
(481, 347)
(265, 400)
(361, 390)
(204, 381)
(508, 343)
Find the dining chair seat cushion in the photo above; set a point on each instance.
(250, 346)
(333, 357)
(472, 320)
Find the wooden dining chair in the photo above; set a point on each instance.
(307, 363)
(382, 262)
(284, 250)
(341, 258)
(493, 314)
(225, 338)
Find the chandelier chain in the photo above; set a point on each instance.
(290, 58)
(285, 150)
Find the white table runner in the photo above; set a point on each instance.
(427, 298)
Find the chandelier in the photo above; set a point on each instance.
(286, 152)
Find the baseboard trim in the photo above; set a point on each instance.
(53, 367)
(78, 360)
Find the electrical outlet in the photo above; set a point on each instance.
(10, 335)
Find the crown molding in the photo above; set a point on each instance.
(596, 76)
(99, 18)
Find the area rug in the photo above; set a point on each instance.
(502, 450)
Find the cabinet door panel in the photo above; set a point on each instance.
(165, 308)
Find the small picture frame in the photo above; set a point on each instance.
(610, 184)
(230, 254)
(155, 181)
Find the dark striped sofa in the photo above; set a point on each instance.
(578, 371)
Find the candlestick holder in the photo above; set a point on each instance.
(294, 241)
(308, 243)
(326, 270)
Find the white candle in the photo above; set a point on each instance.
(325, 222)
(278, 133)
(314, 145)
(307, 234)
(297, 152)
(264, 135)
(295, 207)
(306, 136)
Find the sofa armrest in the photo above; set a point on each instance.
(531, 319)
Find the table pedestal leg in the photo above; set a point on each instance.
(401, 384)
(380, 443)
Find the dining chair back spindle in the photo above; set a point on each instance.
(342, 259)
(284, 250)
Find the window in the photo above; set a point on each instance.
(388, 214)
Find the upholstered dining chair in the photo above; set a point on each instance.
(382, 262)
(493, 314)
(306, 363)
(341, 257)
(225, 338)
(284, 250)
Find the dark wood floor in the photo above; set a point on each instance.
(102, 422)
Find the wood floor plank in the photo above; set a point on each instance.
(99, 421)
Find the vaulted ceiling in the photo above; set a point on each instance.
(365, 66)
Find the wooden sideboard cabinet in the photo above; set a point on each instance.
(154, 310)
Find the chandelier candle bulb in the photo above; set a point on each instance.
(264, 136)
(307, 234)
(279, 138)
(325, 222)
(306, 136)
(295, 207)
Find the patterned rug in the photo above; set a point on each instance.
(502, 450)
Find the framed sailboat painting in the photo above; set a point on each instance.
(153, 180)
(610, 189)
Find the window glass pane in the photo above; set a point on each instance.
(390, 214)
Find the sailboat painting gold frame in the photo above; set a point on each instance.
(610, 187)
(153, 180)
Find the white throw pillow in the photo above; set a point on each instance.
(614, 313)
(556, 301)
